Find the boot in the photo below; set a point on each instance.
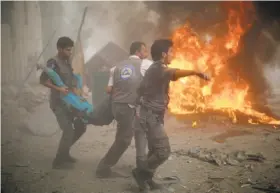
(103, 173)
(61, 164)
(154, 185)
(70, 159)
(141, 180)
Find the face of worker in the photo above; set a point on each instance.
(168, 57)
(143, 52)
(65, 52)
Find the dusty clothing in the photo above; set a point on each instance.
(72, 129)
(140, 135)
(126, 81)
(127, 78)
(144, 67)
(155, 85)
(158, 142)
(154, 90)
(124, 116)
(140, 142)
(65, 71)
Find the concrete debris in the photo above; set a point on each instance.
(219, 158)
(8, 91)
(29, 98)
(40, 127)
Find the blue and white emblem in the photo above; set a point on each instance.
(127, 71)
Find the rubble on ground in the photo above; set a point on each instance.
(28, 98)
(15, 109)
(219, 158)
(40, 127)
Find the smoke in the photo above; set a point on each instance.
(105, 22)
(118, 22)
(272, 76)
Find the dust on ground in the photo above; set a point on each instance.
(27, 156)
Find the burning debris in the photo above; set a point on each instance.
(219, 158)
(228, 91)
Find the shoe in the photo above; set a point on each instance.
(108, 173)
(140, 179)
(63, 165)
(154, 185)
(103, 173)
(70, 159)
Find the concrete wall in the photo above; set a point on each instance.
(21, 42)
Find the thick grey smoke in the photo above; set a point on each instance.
(105, 21)
(272, 76)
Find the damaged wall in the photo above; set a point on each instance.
(21, 40)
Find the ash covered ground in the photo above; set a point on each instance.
(214, 156)
(210, 157)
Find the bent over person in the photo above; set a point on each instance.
(154, 90)
(72, 129)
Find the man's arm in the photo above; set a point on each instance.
(111, 81)
(145, 65)
(174, 74)
(45, 80)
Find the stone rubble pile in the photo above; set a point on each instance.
(14, 109)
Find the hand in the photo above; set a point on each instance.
(64, 90)
(77, 92)
(203, 76)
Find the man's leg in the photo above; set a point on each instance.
(159, 152)
(65, 123)
(79, 129)
(124, 116)
(140, 143)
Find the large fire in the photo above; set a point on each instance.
(225, 92)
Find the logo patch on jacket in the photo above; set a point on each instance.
(127, 71)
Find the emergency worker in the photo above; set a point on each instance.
(154, 90)
(139, 135)
(72, 128)
(123, 84)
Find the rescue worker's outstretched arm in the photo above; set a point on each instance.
(183, 73)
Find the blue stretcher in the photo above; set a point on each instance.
(73, 101)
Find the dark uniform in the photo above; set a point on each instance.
(127, 78)
(140, 140)
(154, 90)
(72, 129)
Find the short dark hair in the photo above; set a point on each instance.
(64, 42)
(135, 46)
(160, 46)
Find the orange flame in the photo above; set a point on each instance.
(224, 92)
